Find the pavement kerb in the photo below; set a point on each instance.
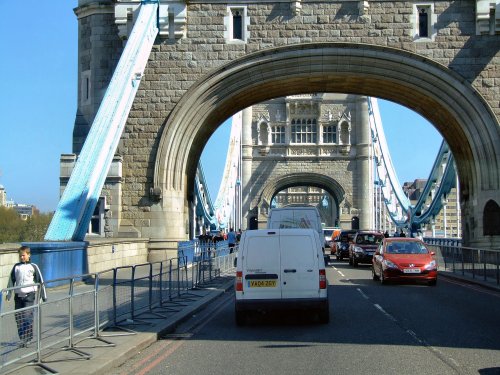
(468, 280)
(105, 359)
(190, 310)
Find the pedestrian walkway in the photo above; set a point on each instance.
(469, 278)
(116, 345)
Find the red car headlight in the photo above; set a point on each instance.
(388, 264)
(431, 266)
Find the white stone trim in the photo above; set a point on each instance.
(228, 24)
(484, 24)
(296, 7)
(172, 18)
(123, 12)
(432, 22)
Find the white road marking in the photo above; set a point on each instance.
(385, 312)
(362, 293)
(448, 360)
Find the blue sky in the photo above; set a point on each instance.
(38, 103)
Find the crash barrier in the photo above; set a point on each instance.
(443, 241)
(82, 311)
(470, 262)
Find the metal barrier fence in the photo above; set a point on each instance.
(469, 262)
(100, 305)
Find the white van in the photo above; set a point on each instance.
(297, 217)
(281, 269)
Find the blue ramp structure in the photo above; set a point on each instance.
(223, 213)
(442, 179)
(204, 205)
(226, 201)
(439, 184)
(75, 208)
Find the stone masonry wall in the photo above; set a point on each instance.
(101, 255)
(174, 67)
(105, 255)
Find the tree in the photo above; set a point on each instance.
(35, 227)
(14, 229)
(10, 225)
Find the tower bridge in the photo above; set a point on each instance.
(320, 140)
(201, 62)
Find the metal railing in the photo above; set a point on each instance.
(474, 263)
(99, 305)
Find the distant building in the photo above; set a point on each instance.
(24, 210)
(448, 222)
(413, 190)
(3, 196)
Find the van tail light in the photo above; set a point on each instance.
(322, 279)
(239, 281)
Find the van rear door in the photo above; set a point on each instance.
(261, 263)
(299, 265)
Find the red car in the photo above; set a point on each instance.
(404, 259)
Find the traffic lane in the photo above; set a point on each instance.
(456, 320)
(291, 344)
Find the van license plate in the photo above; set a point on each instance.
(411, 270)
(262, 283)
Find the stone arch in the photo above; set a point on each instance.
(275, 185)
(301, 179)
(442, 96)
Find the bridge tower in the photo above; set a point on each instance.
(211, 60)
(321, 140)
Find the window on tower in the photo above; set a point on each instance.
(423, 22)
(236, 22)
(304, 131)
(330, 134)
(278, 134)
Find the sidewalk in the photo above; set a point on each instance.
(115, 346)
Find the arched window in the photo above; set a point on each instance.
(237, 23)
(491, 219)
(423, 22)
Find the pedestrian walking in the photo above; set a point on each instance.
(231, 240)
(23, 275)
